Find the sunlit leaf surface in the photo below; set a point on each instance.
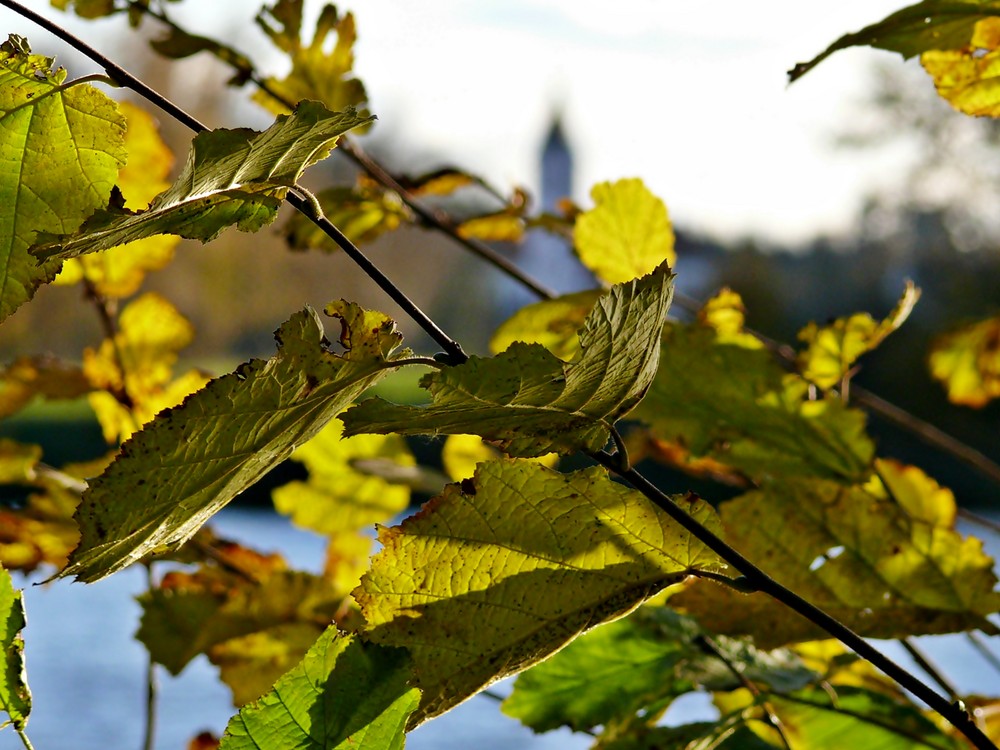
(345, 695)
(967, 362)
(532, 403)
(231, 178)
(502, 570)
(15, 698)
(969, 78)
(552, 323)
(60, 149)
(192, 460)
(627, 234)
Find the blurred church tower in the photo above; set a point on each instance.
(547, 257)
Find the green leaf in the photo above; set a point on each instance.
(61, 148)
(553, 323)
(627, 234)
(15, 698)
(860, 557)
(87, 8)
(345, 695)
(232, 177)
(730, 733)
(858, 719)
(193, 459)
(928, 25)
(532, 403)
(738, 407)
(500, 571)
(635, 663)
(320, 71)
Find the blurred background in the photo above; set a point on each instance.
(812, 201)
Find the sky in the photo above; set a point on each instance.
(690, 96)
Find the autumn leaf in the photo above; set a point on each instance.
(363, 213)
(738, 407)
(231, 178)
(858, 556)
(832, 350)
(553, 323)
(969, 77)
(725, 313)
(626, 235)
(254, 625)
(532, 403)
(62, 146)
(345, 694)
(41, 376)
(193, 459)
(320, 71)
(476, 593)
(119, 271)
(967, 362)
(15, 697)
(502, 226)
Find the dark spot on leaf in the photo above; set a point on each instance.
(468, 487)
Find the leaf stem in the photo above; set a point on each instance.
(708, 645)
(152, 685)
(24, 738)
(955, 714)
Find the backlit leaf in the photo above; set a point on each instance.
(232, 177)
(858, 719)
(859, 557)
(340, 496)
(119, 272)
(967, 362)
(553, 323)
(61, 149)
(43, 376)
(969, 78)
(529, 401)
(320, 71)
(254, 626)
(193, 459)
(498, 572)
(461, 453)
(15, 698)
(737, 406)
(87, 8)
(502, 226)
(627, 234)
(345, 695)
(635, 663)
(363, 213)
(725, 312)
(833, 349)
(927, 25)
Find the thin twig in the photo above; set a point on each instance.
(985, 651)
(127, 80)
(433, 218)
(152, 686)
(24, 738)
(932, 670)
(955, 714)
(708, 644)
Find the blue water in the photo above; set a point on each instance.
(87, 673)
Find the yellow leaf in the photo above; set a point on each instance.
(922, 498)
(726, 313)
(498, 227)
(119, 272)
(840, 666)
(627, 234)
(341, 495)
(969, 78)
(553, 323)
(862, 558)
(462, 453)
(833, 349)
(500, 571)
(18, 461)
(967, 362)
